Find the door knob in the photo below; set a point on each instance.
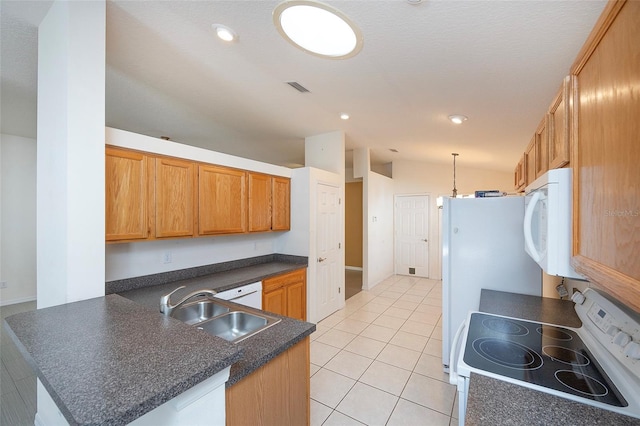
(322, 259)
(425, 240)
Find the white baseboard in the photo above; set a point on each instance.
(18, 300)
(353, 268)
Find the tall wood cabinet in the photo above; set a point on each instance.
(286, 294)
(222, 200)
(606, 154)
(128, 177)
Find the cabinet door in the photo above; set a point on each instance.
(275, 301)
(606, 153)
(542, 148)
(297, 301)
(530, 162)
(281, 204)
(559, 126)
(259, 202)
(175, 198)
(222, 200)
(127, 195)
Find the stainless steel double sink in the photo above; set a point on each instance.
(222, 319)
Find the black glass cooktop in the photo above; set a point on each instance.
(547, 356)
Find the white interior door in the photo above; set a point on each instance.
(412, 235)
(328, 270)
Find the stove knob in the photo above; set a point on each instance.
(632, 350)
(621, 339)
(612, 330)
(578, 298)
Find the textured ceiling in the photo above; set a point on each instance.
(498, 62)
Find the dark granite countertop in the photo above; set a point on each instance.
(257, 350)
(109, 360)
(496, 402)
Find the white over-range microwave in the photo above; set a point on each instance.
(547, 223)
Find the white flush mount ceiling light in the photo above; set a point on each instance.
(224, 33)
(344, 116)
(318, 29)
(457, 118)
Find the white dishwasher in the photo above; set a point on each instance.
(247, 295)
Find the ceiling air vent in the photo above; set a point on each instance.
(299, 87)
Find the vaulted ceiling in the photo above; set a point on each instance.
(498, 62)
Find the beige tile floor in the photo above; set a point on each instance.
(378, 360)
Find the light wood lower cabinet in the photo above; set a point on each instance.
(606, 178)
(278, 393)
(286, 294)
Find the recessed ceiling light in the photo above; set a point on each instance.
(318, 29)
(457, 118)
(344, 116)
(224, 33)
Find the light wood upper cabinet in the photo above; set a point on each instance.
(175, 198)
(127, 179)
(606, 153)
(519, 175)
(259, 202)
(530, 162)
(542, 149)
(559, 126)
(222, 200)
(150, 197)
(281, 204)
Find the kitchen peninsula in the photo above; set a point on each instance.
(113, 360)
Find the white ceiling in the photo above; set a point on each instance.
(498, 62)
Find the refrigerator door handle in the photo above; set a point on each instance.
(528, 219)
(453, 355)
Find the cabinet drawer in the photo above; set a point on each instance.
(283, 280)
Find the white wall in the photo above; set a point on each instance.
(126, 260)
(70, 157)
(18, 219)
(412, 177)
(377, 199)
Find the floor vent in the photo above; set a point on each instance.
(299, 87)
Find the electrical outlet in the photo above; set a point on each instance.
(4, 284)
(166, 258)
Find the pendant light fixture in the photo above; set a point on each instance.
(455, 191)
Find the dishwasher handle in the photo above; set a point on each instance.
(456, 347)
(240, 296)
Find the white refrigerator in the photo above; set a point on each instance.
(482, 247)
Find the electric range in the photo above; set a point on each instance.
(597, 364)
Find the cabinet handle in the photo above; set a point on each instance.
(322, 259)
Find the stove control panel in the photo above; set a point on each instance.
(615, 328)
